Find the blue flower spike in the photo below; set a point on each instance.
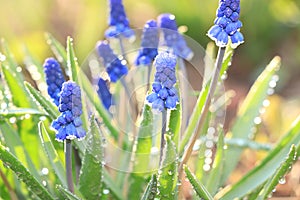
(149, 44)
(54, 78)
(115, 67)
(69, 124)
(104, 93)
(164, 95)
(227, 24)
(172, 38)
(118, 21)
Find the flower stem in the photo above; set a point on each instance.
(68, 159)
(184, 94)
(205, 109)
(163, 131)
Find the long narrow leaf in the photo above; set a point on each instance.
(66, 193)
(266, 168)
(92, 165)
(168, 172)
(20, 112)
(42, 101)
(52, 154)
(280, 172)
(199, 188)
(57, 48)
(151, 189)
(247, 112)
(214, 178)
(9, 160)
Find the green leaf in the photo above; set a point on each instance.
(151, 189)
(19, 94)
(90, 178)
(136, 183)
(20, 112)
(66, 193)
(242, 127)
(94, 99)
(57, 48)
(143, 143)
(214, 177)
(194, 119)
(279, 174)
(167, 174)
(175, 124)
(266, 168)
(72, 60)
(10, 161)
(52, 155)
(16, 146)
(199, 188)
(111, 185)
(43, 102)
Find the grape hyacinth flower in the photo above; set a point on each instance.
(118, 22)
(54, 78)
(172, 38)
(115, 67)
(164, 95)
(227, 24)
(149, 44)
(69, 124)
(104, 93)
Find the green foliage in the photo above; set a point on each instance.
(149, 172)
(92, 164)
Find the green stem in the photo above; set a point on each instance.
(163, 131)
(68, 159)
(205, 109)
(184, 93)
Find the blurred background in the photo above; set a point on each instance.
(271, 27)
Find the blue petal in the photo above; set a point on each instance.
(152, 97)
(158, 105)
(214, 31)
(61, 134)
(222, 39)
(237, 39)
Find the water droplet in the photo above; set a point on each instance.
(272, 84)
(2, 57)
(209, 144)
(12, 120)
(282, 181)
(257, 120)
(45, 171)
(170, 172)
(224, 76)
(270, 91)
(266, 103)
(208, 161)
(154, 151)
(105, 191)
(274, 190)
(44, 183)
(19, 69)
(206, 167)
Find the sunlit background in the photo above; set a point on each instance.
(271, 27)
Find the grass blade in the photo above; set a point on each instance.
(10, 161)
(42, 101)
(20, 112)
(168, 172)
(57, 48)
(66, 193)
(52, 155)
(151, 189)
(175, 124)
(280, 172)
(199, 188)
(217, 168)
(246, 114)
(92, 167)
(266, 168)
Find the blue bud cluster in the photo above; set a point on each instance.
(172, 38)
(54, 78)
(118, 22)
(164, 94)
(104, 93)
(115, 67)
(69, 124)
(227, 24)
(149, 44)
